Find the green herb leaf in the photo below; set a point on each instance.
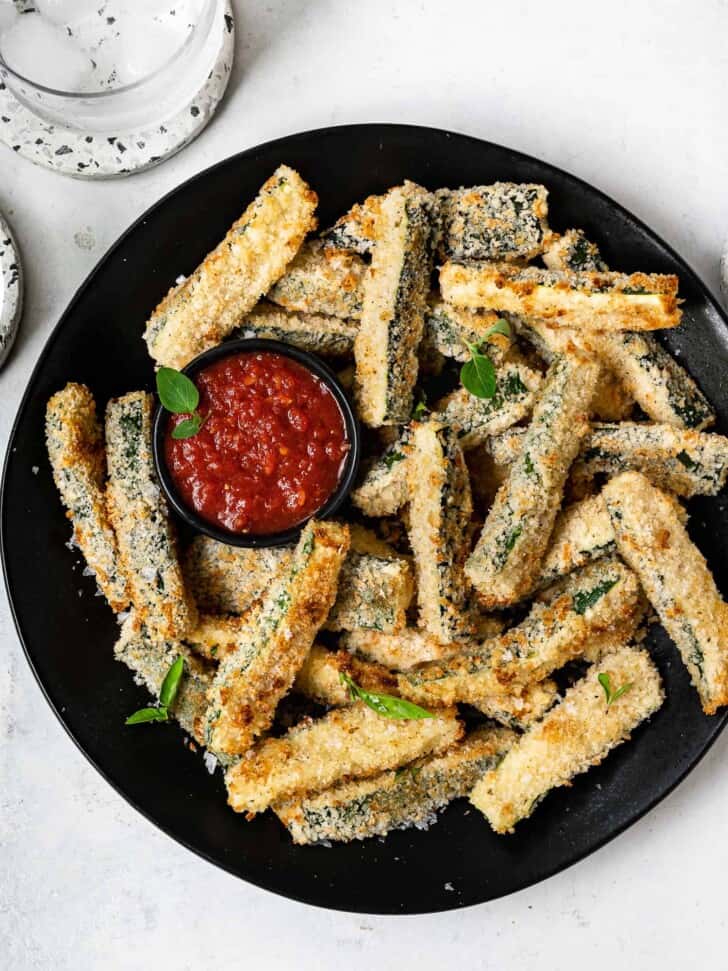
(187, 428)
(148, 715)
(420, 409)
(500, 327)
(389, 460)
(176, 392)
(585, 599)
(612, 696)
(170, 685)
(386, 705)
(478, 374)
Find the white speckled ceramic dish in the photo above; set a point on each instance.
(85, 155)
(11, 290)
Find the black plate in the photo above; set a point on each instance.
(68, 634)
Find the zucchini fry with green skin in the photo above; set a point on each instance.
(321, 281)
(400, 799)
(251, 681)
(207, 306)
(592, 604)
(676, 579)
(503, 221)
(583, 533)
(347, 743)
(587, 301)
(520, 710)
(440, 510)
(450, 329)
(573, 251)
(395, 295)
(320, 677)
(316, 333)
(151, 658)
(407, 648)
(76, 451)
(507, 557)
(356, 229)
(375, 588)
(575, 735)
(661, 387)
(684, 461)
(383, 488)
(374, 593)
(138, 511)
(215, 636)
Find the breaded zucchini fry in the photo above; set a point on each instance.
(503, 221)
(351, 742)
(250, 682)
(138, 512)
(203, 310)
(231, 579)
(588, 301)
(676, 579)
(592, 603)
(400, 799)
(449, 329)
(374, 593)
(383, 488)
(317, 333)
(320, 676)
(508, 554)
(150, 659)
(375, 589)
(520, 710)
(477, 419)
(214, 636)
(662, 388)
(575, 735)
(440, 510)
(76, 451)
(321, 281)
(395, 294)
(355, 230)
(686, 462)
(573, 251)
(408, 648)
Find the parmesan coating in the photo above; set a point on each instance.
(676, 579)
(76, 452)
(356, 229)
(322, 281)
(587, 300)
(395, 295)
(316, 333)
(507, 557)
(406, 797)
(202, 311)
(572, 251)
(409, 647)
(592, 603)
(440, 510)
(320, 676)
(251, 681)
(138, 511)
(348, 743)
(574, 736)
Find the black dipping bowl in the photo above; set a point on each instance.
(250, 346)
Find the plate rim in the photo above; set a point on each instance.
(696, 280)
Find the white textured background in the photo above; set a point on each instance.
(630, 96)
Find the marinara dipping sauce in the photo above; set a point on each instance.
(271, 449)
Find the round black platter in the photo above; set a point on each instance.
(68, 637)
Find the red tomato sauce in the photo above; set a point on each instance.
(271, 449)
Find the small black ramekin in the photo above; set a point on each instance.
(316, 366)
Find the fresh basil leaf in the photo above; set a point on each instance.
(148, 715)
(612, 696)
(386, 705)
(176, 392)
(478, 375)
(500, 327)
(170, 685)
(187, 428)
